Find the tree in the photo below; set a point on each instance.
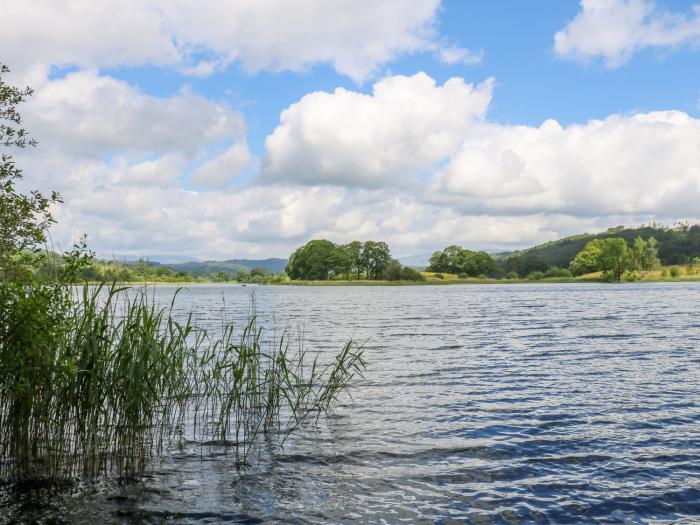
(353, 251)
(480, 263)
(24, 217)
(613, 260)
(397, 272)
(526, 263)
(393, 271)
(409, 274)
(448, 260)
(242, 276)
(587, 260)
(643, 255)
(376, 257)
(455, 259)
(315, 260)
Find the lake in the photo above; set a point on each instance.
(545, 403)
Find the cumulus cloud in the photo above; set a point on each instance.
(616, 29)
(405, 127)
(260, 221)
(414, 163)
(356, 37)
(459, 55)
(642, 164)
(90, 114)
(230, 164)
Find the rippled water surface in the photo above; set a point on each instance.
(485, 404)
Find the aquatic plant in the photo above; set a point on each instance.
(101, 383)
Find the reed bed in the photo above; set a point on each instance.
(101, 383)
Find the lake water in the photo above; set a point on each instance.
(539, 403)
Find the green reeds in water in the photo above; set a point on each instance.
(101, 383)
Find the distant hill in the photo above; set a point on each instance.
(272, 264)
(677, 245)
(163, 259)
(231, 266)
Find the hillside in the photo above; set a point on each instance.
(677, 245)
(231, 266)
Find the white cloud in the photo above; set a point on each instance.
(356, 37)
(162, 171)
(643, 164)
(616, 29)
(219, 170)
(413, 163)
(405, 127)
(89, 114)
(459, 55)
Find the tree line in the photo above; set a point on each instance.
(322, 259)
(465, 263)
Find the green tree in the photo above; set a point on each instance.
(455, 259)
(588, 259)
(409, 274)
(643, 255)
(448, 260)
(614, 259)
(24, 217)
(376, 257)
(242, 276)
(222, 277)
(353, 253)
(315, 260)
(393, 271)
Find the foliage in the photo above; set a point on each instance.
(615, 258)
(693, 266)
(557, 273)
(24, 217)
(587, 260)
(100, 383)
(524, 264)
(535, 276)
(674, 271)
(375, 258)
(677, 244)
(397, 272)
(315, 260)
(322, 260)
(457, 260)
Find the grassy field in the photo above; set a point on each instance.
(661, 275)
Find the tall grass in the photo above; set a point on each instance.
(103, 382)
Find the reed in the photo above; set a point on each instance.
(101, 383)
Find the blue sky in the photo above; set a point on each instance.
(163, 128)
(532, 82)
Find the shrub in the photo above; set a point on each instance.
(675, 271)
(512, 275)
(439, 276)
(409, 274)
(535, 276)
(561, 273)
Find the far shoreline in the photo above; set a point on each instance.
(428, 282)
